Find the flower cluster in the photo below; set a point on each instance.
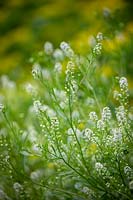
(48, 48)
(36, 70)
(106, 114)
(67, 50)
(122, 95)
(93, 116)
(121, 115)
(71, 84)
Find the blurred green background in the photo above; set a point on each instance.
(26, 24)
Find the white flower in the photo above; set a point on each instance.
(78, 185)
(7, 83)
(100, 124)
(99, 37)
(48, 48)
(116, 95)
(1, 107)
(36, 70)
(87, 133)
(121, 114)
(46, 74)
(50, 112)
(70, 131)
(36, 175)
(123, 83)
(70, 67)
(127, 169)
(86, 190)
(106, 114)
(58, 67)
(97, 49)
(62, 104)
(54, 123)
(60, 94)
(93, 116)
(67, 49)
(92, 41)
(36, 149)
(75, 114)
(98, 166)
(76, 131)
(17, 187)
(117, 134)
(37, 106)
(106, 12)
(3, 195)
(29, 88)
(64, 46)
(58, 54)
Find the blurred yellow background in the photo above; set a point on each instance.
(26, 24)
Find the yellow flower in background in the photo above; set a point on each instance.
(129, 28)
(51, 165)
(9, 62)
(81, 126)
(15, 2)
(33, 158)
(130, 83)
(97, 6)
(21, 34)
(107, 70)
(3, 15)
(92, 148)
(115, 43)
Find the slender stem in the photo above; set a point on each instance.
(9, 124)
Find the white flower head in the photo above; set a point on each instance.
(36, 70)
(67, 49)
(86, 190)
(123, 83)
(36, 175)
(7, 83)
(3, 195)
(106, 114)
(58, 67)
(64, 45)
(46, 74)
(117, 135)
(78, 185)
(106, 12)
(87, 133)
(127, 170)
(29, 88)
(58, 54)
(98, 166)
(93, 116)
(75, 114)
(48, 48)
(37, 106)
(99, 37)
(17, 187)
(121, 114)
(76, 131)
(100, 125)
(97, 49)
(70, 131)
